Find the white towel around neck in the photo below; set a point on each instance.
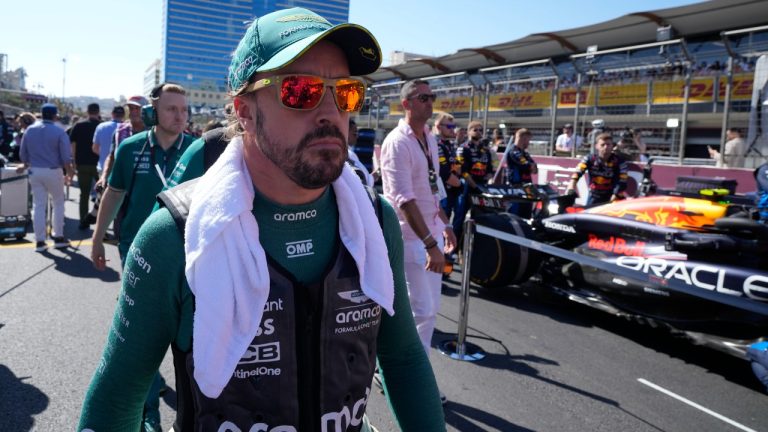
(226, 266)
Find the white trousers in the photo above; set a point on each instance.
(423, 289)
(44, 182)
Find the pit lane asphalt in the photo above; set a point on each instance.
(551, 365)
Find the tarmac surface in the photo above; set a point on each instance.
(550, 365)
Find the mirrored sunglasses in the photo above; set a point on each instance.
(305, 92)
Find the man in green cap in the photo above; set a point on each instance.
(266, 275)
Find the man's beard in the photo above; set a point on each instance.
(320, 171)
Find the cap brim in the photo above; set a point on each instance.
(360, 47)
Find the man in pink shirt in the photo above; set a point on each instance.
(409, 172)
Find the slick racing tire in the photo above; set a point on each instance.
(496, 263)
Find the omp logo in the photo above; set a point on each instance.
(228, 426)
(261, 353)
(368, 53)
(559, 227)
(358, 314)
(356, 296)
(299, 248)
(298, 216)
(340, 421)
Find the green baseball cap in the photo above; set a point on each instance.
(277, 39)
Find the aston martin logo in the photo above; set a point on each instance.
(303, 17)
(368, 53)
(354, 296)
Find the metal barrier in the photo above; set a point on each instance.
(460, 349)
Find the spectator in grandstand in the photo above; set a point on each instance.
(81, 137)
(734, 152)
(444, 130)
(45, 150)
(567, 142)
(607, 173)
(476, 162)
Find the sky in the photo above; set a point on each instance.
(108, 44)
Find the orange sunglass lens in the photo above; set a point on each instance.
(350, 94)
(301, 92)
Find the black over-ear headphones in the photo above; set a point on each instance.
(148, 113)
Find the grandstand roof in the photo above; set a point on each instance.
(636, 28)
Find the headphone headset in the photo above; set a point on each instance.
(148, 113)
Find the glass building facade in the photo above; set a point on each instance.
(199, 37)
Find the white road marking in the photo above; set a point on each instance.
(695, 405)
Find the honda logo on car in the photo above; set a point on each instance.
(699, 275)
(559, 227)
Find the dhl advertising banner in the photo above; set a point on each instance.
(741, 87)
(673, 92)
(662, 93)
(520, 101)
(628, 94)
(449, 105)
(566, 98)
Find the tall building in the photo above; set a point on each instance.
(152, 76)
(199, 37)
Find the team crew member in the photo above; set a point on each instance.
(519, 168)
(143, 163)
(607, 173)
(444, 131)
(279, 280)
(761, 177)
(476, 162)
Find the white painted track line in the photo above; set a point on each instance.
(695, 405)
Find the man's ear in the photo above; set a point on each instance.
(406, 104)
(243, 111)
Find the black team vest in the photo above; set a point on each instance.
(309, 368)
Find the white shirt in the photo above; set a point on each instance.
(565, 142)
